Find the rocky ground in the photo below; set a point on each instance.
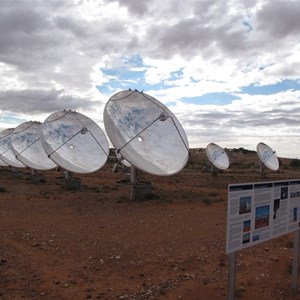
(96, 243)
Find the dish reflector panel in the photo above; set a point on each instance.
(217, 156)
(267, 156)
(146, 133)
(74, 142)
(6, 153)
(27, 146)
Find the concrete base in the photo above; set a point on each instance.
(4, 171)
(16, 174)
(37, 178)
(73, 184)
(140, 191)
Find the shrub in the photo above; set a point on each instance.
(3, 190)
(295, 163)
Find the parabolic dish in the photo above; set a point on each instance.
(27, 146)
(6, 153)
(217, 156)
(267, 156)
(146, 133)
(74, 142)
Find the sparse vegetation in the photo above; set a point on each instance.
(207, 200)
(45, 194)
(151, 196)
(239, 292)
(211, 197)
(100, 189)
(95, 189)
(295, 163)
(3, 190)
(212, 194)
(289, 244)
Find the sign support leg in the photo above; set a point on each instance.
(231, 275)
(133, 179)
(295, 262)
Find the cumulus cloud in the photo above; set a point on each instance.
(53, 55)
(34, 102)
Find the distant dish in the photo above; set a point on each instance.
(6, 153)
(74, 142)
(217, 156)
(27, 146)
(146, 133)
(267, 156)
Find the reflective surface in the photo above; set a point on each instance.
(267, 156)
(74, 142)
(217, 156)
(27, 146)
(146, 133)
(6, 153)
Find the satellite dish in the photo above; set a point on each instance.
(217, 156)
(6, 153)
(146, 133)
(267, 156)
(27, 146)
(74, 142)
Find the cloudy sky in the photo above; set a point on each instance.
(229, 70)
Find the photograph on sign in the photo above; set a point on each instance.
(245, 205)
(262, 216)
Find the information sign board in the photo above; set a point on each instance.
(260, 211)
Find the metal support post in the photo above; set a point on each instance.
(295, 262)
(133, 179)
(231, 275)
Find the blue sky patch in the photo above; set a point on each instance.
(175, 75)
(134, 61)
(271, 89)
(247, 25)
(211, 98)
(8, 118)
(131, 75)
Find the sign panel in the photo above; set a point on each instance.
(260, 211)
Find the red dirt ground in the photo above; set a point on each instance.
(96, 243)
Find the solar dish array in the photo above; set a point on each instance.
(66, 138)
(144, 132)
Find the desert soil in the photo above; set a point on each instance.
(96, 243)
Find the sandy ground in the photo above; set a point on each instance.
(96, 243)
